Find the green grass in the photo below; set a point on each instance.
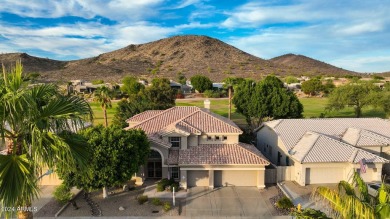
(98, 113)
(313, 107)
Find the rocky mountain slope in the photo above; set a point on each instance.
(189, 54)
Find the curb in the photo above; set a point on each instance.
(67, 204)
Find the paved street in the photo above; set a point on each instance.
(225, 201)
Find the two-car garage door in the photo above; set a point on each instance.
(324, 175)
(222, 178)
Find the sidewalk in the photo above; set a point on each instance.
(151, 192)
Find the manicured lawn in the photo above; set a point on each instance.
(313, 107)
(98, 113)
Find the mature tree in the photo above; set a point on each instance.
(131, 85)
(386, 86)
(35, 123)
(102, 95)
(266, 100)
(130, 107)
(159, 96)
(312, 86)
(291, 80)
(116, 155)
(232, 82)
(201, 83)
(329, 86)
(357, 95)
(181, 78)
(350, 202)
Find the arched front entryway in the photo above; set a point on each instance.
(154, 166)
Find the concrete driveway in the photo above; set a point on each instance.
(225, 201)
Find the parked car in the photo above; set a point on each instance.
(373, 188)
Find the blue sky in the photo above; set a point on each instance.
(352, 34)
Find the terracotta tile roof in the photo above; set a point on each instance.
(144, 115)
(318, 148)
(291, 130)
(221, 154)
(189, 119)
(173, 157)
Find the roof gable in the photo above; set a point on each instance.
(186, 120)
(319, 148)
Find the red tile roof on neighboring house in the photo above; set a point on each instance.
(222, 154)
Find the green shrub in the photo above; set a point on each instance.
(310, 213)
(156, 201)
(163, 184)
(142, 199)
(284, 203)
(62, 194)
(174, 185)
(212, 94)
(167, 206)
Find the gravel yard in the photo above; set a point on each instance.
(109, 206)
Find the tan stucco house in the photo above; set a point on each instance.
(198, 148)
(326, 150)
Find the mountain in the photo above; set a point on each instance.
(189, 54)
(308, 65)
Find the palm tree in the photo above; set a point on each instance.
(36, 124)
(102, 95)
(349, 202)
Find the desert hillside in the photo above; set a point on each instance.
(189, 54)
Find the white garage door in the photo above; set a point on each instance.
(197, 178)
(324, 175)
(235, 178)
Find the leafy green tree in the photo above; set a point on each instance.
(291, 80)
(201, 83)
(181, 78)
(386, 86)
(102, 95)
(349, 202)
(266, 100)
(131, 85)
(159, 96)
(233, 82)
(357, 95)
(329, 86)
(116, 156)
(35, 123)
(312, 86)
(130, 107)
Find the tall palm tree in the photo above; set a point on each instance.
(102, 95)
(36, 124)
(352, 201)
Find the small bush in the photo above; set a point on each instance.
(142, 199)
(174, 185)
(163, 184)
(310, 213)
(284, 203)
(62, 194)
(156, 201)
(167, 206)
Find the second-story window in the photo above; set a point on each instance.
(175, 141)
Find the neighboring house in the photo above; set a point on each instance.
(218, 86)
(197, 148)
(326, 150)
(293, 86)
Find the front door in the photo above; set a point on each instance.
(154, 169)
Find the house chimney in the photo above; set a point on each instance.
(207, 104)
